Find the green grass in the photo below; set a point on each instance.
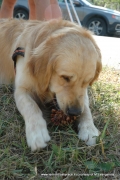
(65, 153)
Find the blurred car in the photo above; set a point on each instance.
(100, 20)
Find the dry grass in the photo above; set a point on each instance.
(65, 153)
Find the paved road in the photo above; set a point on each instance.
(110, 49)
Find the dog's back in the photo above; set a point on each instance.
(14, 33)
(9, 32)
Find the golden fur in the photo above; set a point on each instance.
(61, 59)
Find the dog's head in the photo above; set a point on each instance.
(65, 64)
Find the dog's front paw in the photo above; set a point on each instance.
(37, 135)
(88, 133)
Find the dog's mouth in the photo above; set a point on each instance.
(55, 104)
(69, 111)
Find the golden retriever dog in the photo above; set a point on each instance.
(61, 59)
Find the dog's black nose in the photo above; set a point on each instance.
(73, 111)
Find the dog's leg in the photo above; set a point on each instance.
(87, 130)
(36, 129)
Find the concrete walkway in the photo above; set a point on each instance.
(110, 49)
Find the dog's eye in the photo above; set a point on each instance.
(67, 78)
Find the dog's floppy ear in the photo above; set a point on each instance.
(41, 65)
(98, 70)
(98, 63)
(43, 59)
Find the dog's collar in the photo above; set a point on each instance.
(19, 51)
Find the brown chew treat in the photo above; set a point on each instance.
(58, 118)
